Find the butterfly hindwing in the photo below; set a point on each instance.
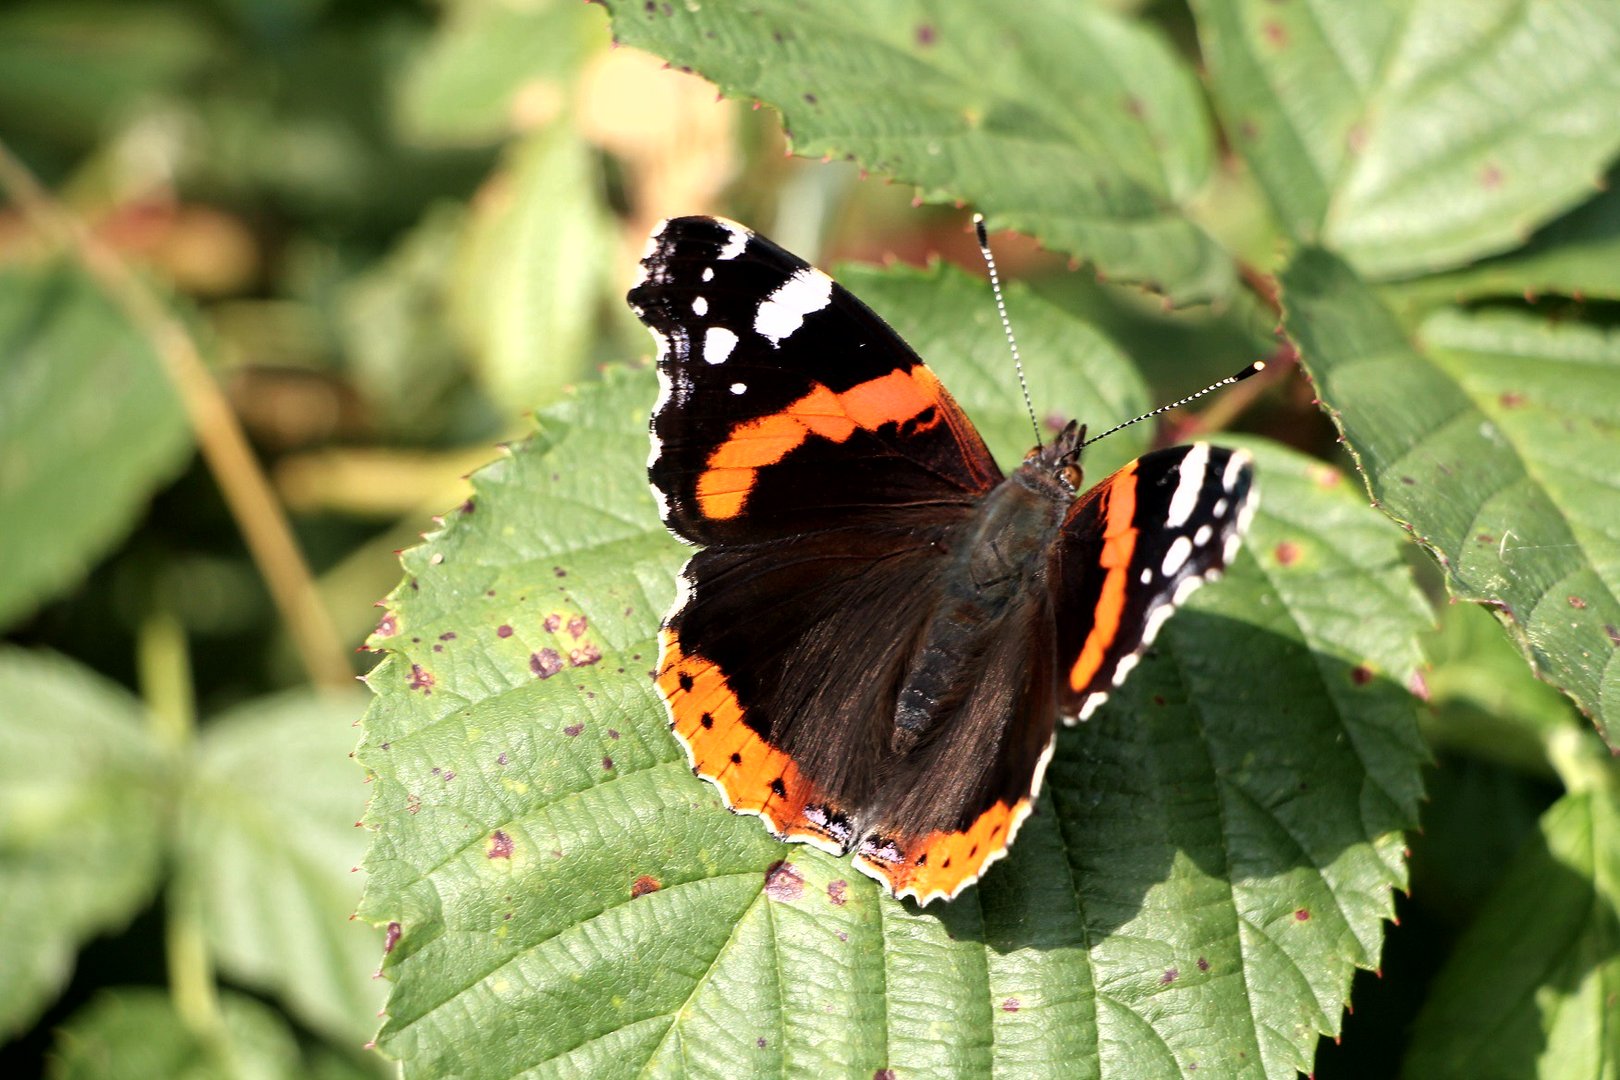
(786, 404)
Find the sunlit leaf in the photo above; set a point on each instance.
(562, 894)
(1094, 140)
(1411, 135)
(1493, 435)
(529, 276)
(1578, 255)
(492, 66)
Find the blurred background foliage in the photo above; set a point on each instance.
(394, 229)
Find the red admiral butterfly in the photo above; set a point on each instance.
(873, 645)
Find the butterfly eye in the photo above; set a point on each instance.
(1072, 476)
(1033, 452)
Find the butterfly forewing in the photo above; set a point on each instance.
(787, 406)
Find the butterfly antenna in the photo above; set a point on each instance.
(1006, 324)
(1253, 369)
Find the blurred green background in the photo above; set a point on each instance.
(394, 229)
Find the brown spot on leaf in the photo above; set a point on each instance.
(1203, 965)
(1490, 177)
(1577, 603)
(546, 663)
(1287, 553)
(448, 635)
(1011, 1005)
(500, 846)
(1302, 915)
(387, 626)
(1361, 674)
(783, 882)
(837, 892)
(1276, 34)
(643, 885)
(391, 938)
(573, 730)
(607, 763)
(421, 679)
(584, 656)
(552, 622)
(926, 35)
(576, 626)
(1614, 634)
(1170, 975)
(1511, 399)
(503, 630)
(883, 1074)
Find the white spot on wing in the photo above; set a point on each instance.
(1127, 664)
(738, 388)
(1147, 574)
(700, 306)
(1193, 467)
(717, 344)
(1240, 461)
(1176, 557)
(708, 273)
(783, 312)
(736, 241)
(1201, 537)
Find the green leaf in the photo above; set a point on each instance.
(1530, 989)
(1095, 141)
(1411, 135)
(465, 88)
(82, 799)
(394, 329)
(1492, 437)
(89, 427)
(1219, 842)
(531, 269)
(267, 851)
(1578, 255)
(136, 1034)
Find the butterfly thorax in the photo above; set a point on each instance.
(998, 565)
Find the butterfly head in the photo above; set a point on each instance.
(1061, 459)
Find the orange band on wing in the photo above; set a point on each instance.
(942, 864)
(733, 467)
(753, 776)
(1119, 543)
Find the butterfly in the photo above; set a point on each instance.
(873, 643)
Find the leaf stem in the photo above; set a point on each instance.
(164, 671)
(220, 438)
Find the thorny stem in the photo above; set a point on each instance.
(220, 438)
